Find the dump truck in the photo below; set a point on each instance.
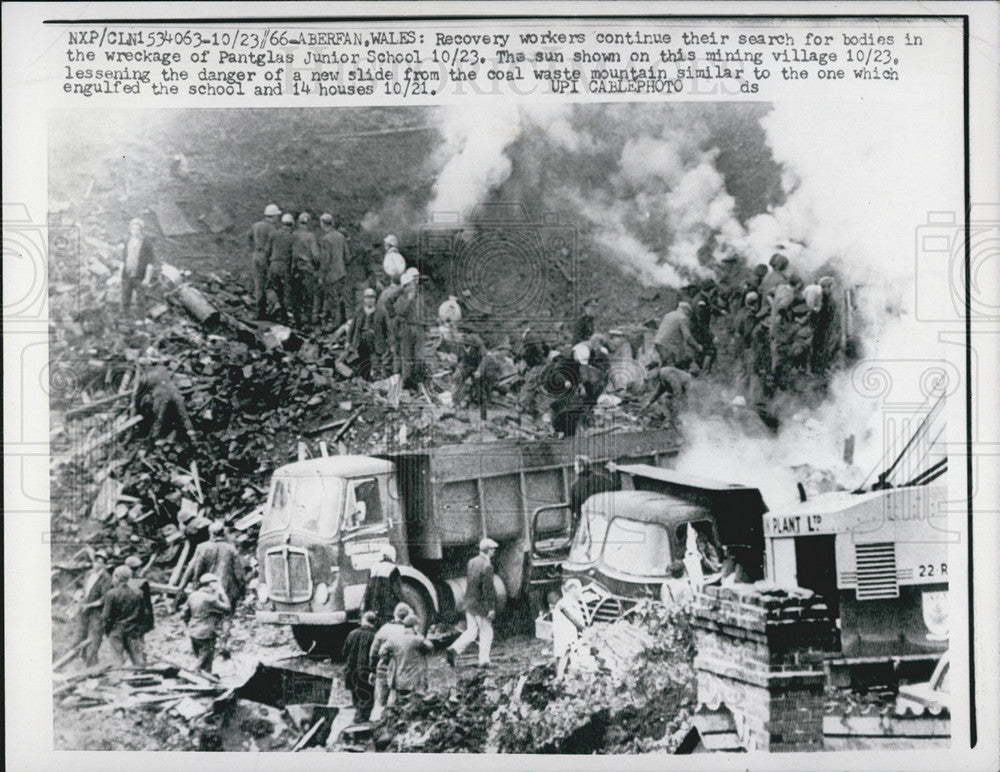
(328, 520)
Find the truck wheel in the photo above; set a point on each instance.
(416, 600)
(321, 641)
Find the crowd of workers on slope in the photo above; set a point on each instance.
(769, 320)
(778, 328)
(118, 604)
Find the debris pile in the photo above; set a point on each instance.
(637, 700)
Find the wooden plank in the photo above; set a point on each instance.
(308, 735)
(91, 446)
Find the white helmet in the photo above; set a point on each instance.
(271, 210)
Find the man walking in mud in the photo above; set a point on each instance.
(480, 605)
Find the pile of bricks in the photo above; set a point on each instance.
(760, 651)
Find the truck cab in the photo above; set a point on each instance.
(326, 522)
(631, 543)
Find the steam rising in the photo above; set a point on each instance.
(654, 190)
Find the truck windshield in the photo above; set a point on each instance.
(637, 549)
(311, 504)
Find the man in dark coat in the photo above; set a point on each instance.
(279, 262)
(331, 300)
(160, 404)
(220, 558)
(357, 669)
(305, 259)
(364, 334)
(90, 621)
(588, 482)
(142, 585)
(480, 605)
(123, 616)
(385, 587)
(260, 239)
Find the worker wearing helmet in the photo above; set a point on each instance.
(410, 329)
(279, 261)
(393, 263)
(305, 264)
(331, 277)
(260, 238)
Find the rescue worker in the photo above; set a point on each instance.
(480, 605)
(381, 667)
(777, 276)
(123, 619)
(746, 322)
(220, 558)
(160, 404)
(142, 585)
(826, 323)
(279, 263)
(801, 348)
(305, 257)
(761, 381)
(407, 658)
(584, 327)
(410, 323)
(589, 481)
(393, 263)
(90, 621)
(363, 336)
(534, 349)
(205, 612)
(260, 239)
(759, 272)
(385, 587)
(386, 341)
(138, 267)
(674, 342)
(674, 383)
(704, 308)
(782, 333)
(331, 298)
(357, 670)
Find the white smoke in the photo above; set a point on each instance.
(860, 180)
(476, 140)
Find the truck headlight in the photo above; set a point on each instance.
(262, 592)
(322, 594)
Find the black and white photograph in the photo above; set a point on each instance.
(631, 417)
